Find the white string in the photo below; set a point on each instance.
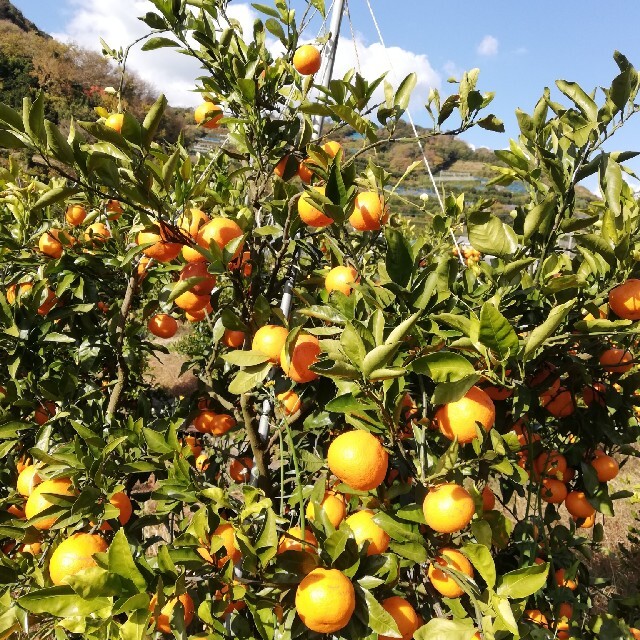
(415, 131)
(353, 37)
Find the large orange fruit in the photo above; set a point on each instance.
(233, 339)
(553, 491)
(122, 502)
(309, 214)
(191, 221)
(340, 279)
(75, 554)
(162, 325)
(616, 360)
(448, 508)
(551, 463)
(607, 468)
(281, 167)
(293, 541)
(578, 505)
(364, 528)
(443, 582)
(227, 533)
(325, 600)
(208, 114)
(624, 300)
(75, 214)
(196, 316)
(269, 340)
(97, 233)
(333, 504)
(50, 243)
(563, 581)
(303, 355)
(161, 250)
(199, 270)
(307, 60)
(358, 459)
(191, 302)
(558, 402)
(28, 478)
(38, 502)
(458, 419)
(595, 392)
(240, 469)
(163, 622)
(221, 231)
(369, 212)
(404, 615)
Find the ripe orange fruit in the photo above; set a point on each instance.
(624, 300)
(113, 209)
(303, 355)
(341, 279)
(221, 231)
(191, 302)
(305, 173)
(290, 401)
(163, 622)
(331, 148)
(227, 533)
(161, 250)
(369, 212)
(333, 504)
(443, 582)
(16, 511)
(358, 459)
(162, 325)
(616, 360)
(195, 445)
(202, 462)
(325, 600)
(208, 114)
(191, 221)
(578, 505)
(75, 214)
(50, 243)
(44, 412)
(293, 541)
(281, 167)
(122, 502)
(364, 528)
(115, 122)
(309, 214)
(16, 291)
(607, 468)
(551, 463)
(28, 478)
(199, 270)
(37, 502)
(553, 491)
(404, 615)
(307, 60)
(458, 419)
(97, 233)
(448, 508)
(240, 469)
(216, 424)
(269, 340)
(488, 499)
(635, 633)
(585, 523)
(563, 581)
(196, 316)
(535, 616)
(565, 610)
(594, 393)
(75, 554)
(558, 403)
(233, 339)
(143, 266)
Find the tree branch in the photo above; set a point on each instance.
(257, 448)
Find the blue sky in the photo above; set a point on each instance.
(527, 45)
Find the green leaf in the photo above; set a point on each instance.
(540, 334)
(373, 615)
(53, 196)
(378, 358)
(11, 117)
(347, 403)
(135, 626)
(61, 602)
(403, 94)
(361, 125)
(489, 235)
(152, 120)
(58, 144)
(245, 358)
(496, 333)
(443, 629)
(249, 378)
(399, 260)
(481, 558)
(35, 119)
(443, 366)
(121, 561)
(578, 96)
(523, 582)
(403, 328)
(158, 43)
(447, 392)
(156, 441)
(9, 140)
(352, 345)
(539, 219)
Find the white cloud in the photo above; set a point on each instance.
(175, 74)
(488, 46)
(452, 70)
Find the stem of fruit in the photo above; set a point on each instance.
(296, 468)
(256, 444)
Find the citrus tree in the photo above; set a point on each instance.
(393, 436)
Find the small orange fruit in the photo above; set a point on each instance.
(189, 301)
(75, 214)
(45, 412)
(115, 122)
(369, 212)
(221, 231)
(535, 616)
(488, 499)
(616, 360)
(309, 214)
(325, 600)
(113, 209)
(200, 314)
(578, 505)
(358, 459)
(208, 114)
(305, 173)
(96, 233)
(364, 528)
(37, 502)
(290, 401)
(240, 469)
(585, 523)
(121, 501)
(269, 340)
(443, 582)
(233, 339)
(162, 325)
(50, 243)
(563, 581)
(163, 622)
(202, 462)
(28, 478)
(553, 491)
(75, 554)
(293, 541)
(190, 222)
(607, 468)
(594, 393)
(624, 300)
(199, 270)
(161, 250)
(331, 148)
(558, 403)
(304, 354)
(281, 167)
(458, 419)
(216, 424)
(448, 508)
(227, 533)
(307, 60)
(403, 614)
(333, 504)
(551, 463)
(340, 279)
